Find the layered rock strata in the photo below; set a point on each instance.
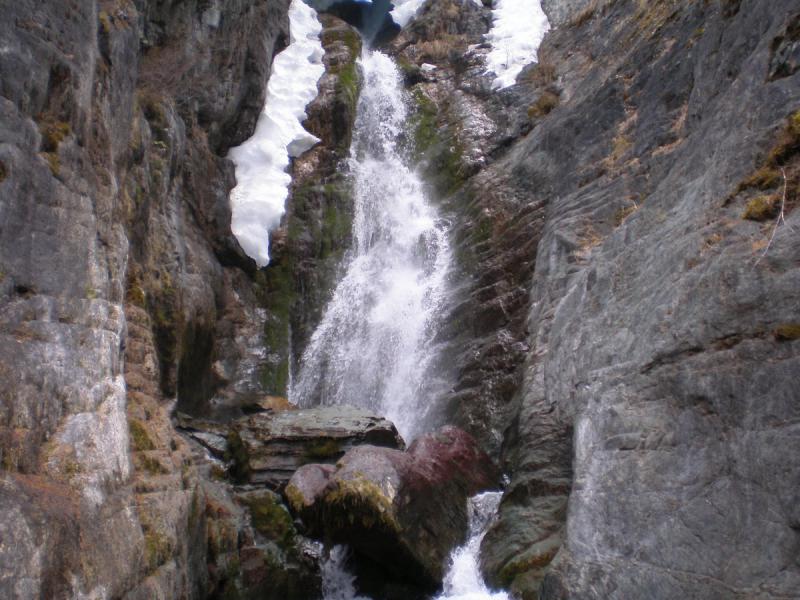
(266, 449)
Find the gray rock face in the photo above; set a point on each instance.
(268, 448)
(656, 376)
(115, 250)
(629, 186)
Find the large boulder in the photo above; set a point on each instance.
(268, 447)
(403, 512)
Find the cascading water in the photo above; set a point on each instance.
(463, 581)
(374, 345)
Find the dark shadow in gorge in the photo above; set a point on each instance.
(372, 19)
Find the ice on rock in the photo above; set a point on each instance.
(262, 184)
(405, 10)
(517, 31)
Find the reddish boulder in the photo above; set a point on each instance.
(402, 511)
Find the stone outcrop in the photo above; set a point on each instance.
(123, 293)
(401, 512)
(630, 187)
(267, 448)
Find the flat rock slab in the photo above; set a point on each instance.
(267, 448)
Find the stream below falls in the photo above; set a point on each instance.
(375, 345)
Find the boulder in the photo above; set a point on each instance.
(267, 448)
(402, 512)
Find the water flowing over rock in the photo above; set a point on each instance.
(401, 511)
(375, 341)
(589, 264)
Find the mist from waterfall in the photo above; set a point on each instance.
(374, 347)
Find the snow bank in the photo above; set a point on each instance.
(405, 10)
(262, 184)
(518, 29)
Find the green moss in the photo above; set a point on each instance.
(620, 146)
(295, 498)
(525, 563)
(364, 501)
(348, 36)
(105, 21)
(423, 123)
(136, 295)
(218, 473)
(271, 519)
(140, 441)
(788, 332)
(762, 208)
(236, 452)
(157, 550)
(323, 450)
(348, 86)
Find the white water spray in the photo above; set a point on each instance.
(374, 345)
(463, 580)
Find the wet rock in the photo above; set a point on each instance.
(267, 448)
(308, 248)
(402, 512)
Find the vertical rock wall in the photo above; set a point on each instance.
(118, 274)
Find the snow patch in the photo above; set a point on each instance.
(517, 31)
(262, 184)
(405, 10)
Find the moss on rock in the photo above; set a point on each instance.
(157, 550)
(239, 457)
(271, 519)
(140, 440)
(788, 332)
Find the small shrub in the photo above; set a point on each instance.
(544, 105)
(765, 178)
(762, 208)
(236, 453)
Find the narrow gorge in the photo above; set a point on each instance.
(410, 300)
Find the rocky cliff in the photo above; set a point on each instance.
(625, 335)
(629, 250)
(123, 295)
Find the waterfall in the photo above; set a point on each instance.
(463, 580)
(374, 346)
